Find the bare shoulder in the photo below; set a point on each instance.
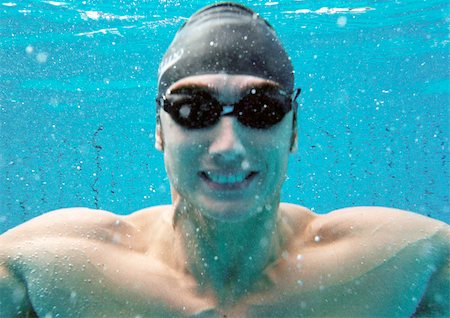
(381, 222)
(369, 227)
(366, 246)
(380, 234)
(26, 243)
(63, 223)
(77, 251)
(376, 234)
(56, 230)
(405, 239)
(82, 224)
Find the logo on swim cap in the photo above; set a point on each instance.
(169, 61)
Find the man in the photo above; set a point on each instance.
(226, 247)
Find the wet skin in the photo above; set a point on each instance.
(226, 247)
(368, 262)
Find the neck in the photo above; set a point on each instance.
(228, 257)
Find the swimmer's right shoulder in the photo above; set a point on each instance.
(62, 223)
(21, 245)
(78, 234)
(84, 224)
(61, 220)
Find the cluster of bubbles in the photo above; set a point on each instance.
(41, 57)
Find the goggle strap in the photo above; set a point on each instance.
(297, 92)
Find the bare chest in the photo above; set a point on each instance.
(104, 285)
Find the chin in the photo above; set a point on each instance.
(229, 212)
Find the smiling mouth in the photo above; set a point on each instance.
(229, 181)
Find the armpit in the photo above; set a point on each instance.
(14, 300)
(436, 300)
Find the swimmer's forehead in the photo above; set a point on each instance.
(222, 82)
(227, 89)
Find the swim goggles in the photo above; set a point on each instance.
(261, 108)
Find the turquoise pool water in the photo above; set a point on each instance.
(78, 81)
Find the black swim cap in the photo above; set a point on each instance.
(226, 38)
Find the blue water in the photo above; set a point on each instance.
(78, 82)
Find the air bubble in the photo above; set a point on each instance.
(341, 21)
(185, 111)
(42, 57)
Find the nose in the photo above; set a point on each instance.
(226, 147)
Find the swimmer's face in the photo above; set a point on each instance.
(227, 170)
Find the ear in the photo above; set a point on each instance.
(159, 138)
(294, 142)
(294, 137)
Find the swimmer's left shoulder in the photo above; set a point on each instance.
(384, 215)
(385, 222)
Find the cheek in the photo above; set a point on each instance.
(176, 169)
(276, 141)
(175, 159)
(168, 163)
(278, 162)
(181, 162)
(278, 149)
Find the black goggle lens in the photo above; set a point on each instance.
(259, 109)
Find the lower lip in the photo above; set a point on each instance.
(228, 186)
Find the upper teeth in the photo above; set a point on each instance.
(229, 178)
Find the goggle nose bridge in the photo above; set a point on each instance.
(227, 110)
